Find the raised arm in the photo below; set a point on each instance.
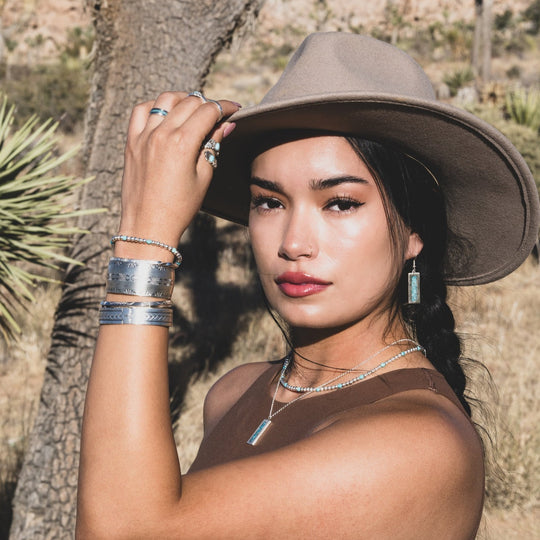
(375, 474)
(127, 443)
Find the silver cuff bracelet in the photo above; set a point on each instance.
(137, 277)
(136, 315)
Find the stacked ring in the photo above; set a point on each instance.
(219, 107)
(210, 157)
(198, 94)
(157, 110)
(213, 145)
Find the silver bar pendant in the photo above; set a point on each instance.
(258, 433)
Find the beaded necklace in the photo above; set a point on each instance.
(325, 387)
(265, 424)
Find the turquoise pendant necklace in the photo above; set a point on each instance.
(265, 424)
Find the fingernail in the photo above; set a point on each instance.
(229, 129)
(239, 105)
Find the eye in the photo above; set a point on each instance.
(264, 203)
(343, 204)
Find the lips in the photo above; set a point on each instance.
(298, 284)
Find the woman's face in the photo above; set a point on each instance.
(320, 235)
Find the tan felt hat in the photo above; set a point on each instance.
(357, 85)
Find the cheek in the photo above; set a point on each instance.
(261, 241)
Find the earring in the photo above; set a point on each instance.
(414, 285)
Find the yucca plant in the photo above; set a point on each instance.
(523, 107)
(35, 222)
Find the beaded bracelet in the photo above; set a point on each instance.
(137, 240)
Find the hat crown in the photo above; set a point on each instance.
(334, 63)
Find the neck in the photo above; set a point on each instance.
(344, 348)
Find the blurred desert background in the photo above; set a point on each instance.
(45, 69)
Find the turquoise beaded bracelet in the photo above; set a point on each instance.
(137, 240)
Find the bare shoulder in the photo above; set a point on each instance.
(227, 390)
(427, 449)
(407, 467)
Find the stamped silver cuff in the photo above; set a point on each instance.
(136, 277)
(136, 316)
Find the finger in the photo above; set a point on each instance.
(196, 127)
(208, 159)
(139, 118)
(161, 108)
(177, 106)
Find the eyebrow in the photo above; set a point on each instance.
(336, 181)
(318, 185)
(267, 184)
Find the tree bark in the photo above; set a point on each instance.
(143, 47)
(477, 39)
(486, 35)
(481, 50)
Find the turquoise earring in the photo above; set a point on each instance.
(414, 285)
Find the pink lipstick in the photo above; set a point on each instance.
(298, 284)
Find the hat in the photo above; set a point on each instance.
(357, 85)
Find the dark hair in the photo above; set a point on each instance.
(414, 202)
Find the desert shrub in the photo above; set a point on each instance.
(59, 91)
(35, 219)
(458, 79)
(525, 139)
(513, 72)
(503, 20)
(532, 15)
(458, 37)
(79, 42)
(523, 107)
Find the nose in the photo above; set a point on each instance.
(299, 238)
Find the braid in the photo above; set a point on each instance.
(413, 199)
(432, 323)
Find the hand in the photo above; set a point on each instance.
(165, 173)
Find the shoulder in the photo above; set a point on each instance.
(227, 390)
(409, 466)
(418, 420)
(420, 446)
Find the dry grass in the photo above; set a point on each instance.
(21, 376)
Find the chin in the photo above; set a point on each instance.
(325, 316)
(315, 318)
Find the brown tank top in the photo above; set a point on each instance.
(228, 440)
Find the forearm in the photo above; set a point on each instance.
(129, 479)
(128, 456)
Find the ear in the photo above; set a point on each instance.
(414, 246)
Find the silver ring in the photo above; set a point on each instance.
(210, 157)
(198, 94)
(220, 109)
(157, 110)
(213, 145)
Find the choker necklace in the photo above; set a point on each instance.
(265, 424)
(325, 387)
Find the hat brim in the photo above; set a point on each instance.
(492, 200)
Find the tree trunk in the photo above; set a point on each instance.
(481, 51)
(477, 39)
(143, 48)
(486, 37)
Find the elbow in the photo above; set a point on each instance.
(97, 523)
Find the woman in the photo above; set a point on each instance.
(363, 430)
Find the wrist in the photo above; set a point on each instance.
(151, 244)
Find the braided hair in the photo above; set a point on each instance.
(414, 202)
